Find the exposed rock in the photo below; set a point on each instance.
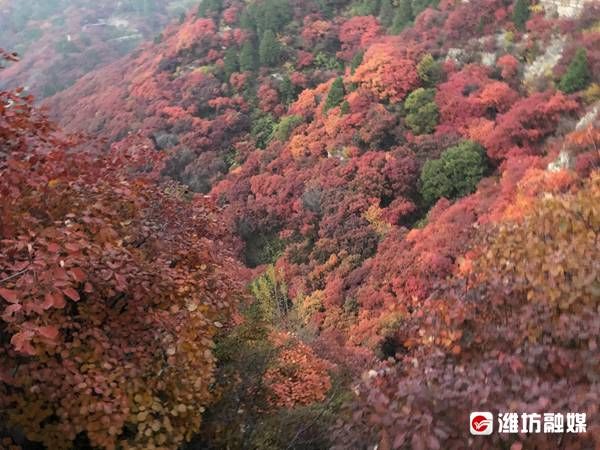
(118, 22)
(589, 118)
(456, 54)
(544, 64)
(563, 161)
(488, 59)
(563, 8)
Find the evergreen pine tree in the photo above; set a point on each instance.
(418, 6)
(269, 49)
(357, 60)
(455, 174)
(287, 91)
(430, 71)
(230, 62)
(577, 76)
(272, 15)
(521, 13)
(345, 108)
(335, 95)
(248, 57)
(403, 16)
(247, 21)
(208, 7)
(386, 13)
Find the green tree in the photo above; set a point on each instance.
(430, 71)
(270, 292)
(418, 6)
(247, 21)
(422, 111)
(521, 13)
(271, 15)
(230, 62)
(262, 130)
(386, 13)
(364, 8)
(336, 94)
(269, 50)
(403, 17)
(578, 75)
(285, 127)
(455, 174)
(345, 108)
(327, 61)
(287, 90)
(248, 57)
(357, 60)
(208, 7)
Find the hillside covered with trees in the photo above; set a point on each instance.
(59, 41)
(306, 225)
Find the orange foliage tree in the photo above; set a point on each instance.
(298, 377)
(386, 72)
(111, 290)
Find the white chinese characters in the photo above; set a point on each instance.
(529, 423)
(511, 422)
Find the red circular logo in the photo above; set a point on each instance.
(480, 423)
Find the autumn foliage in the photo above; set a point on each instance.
(111, 290)
(418, 213)
(522, 331)
(298, 376)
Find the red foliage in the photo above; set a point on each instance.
(527, 123)
(230, 15)
(503, 327)
(268, 97)
(341, 189)
(386, 73)
(357, 33)
(509, 66)
(304, 59)
(466, 21)
(317, 30)
(298, 377)
(469, 95)
(111, 291)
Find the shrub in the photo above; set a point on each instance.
(577, 76)
(112, 290)
(403, 17)
(270, 292)
(262, 130)
(285, 127)
(248, 57)
(336, 94)
(269, 49)
(455, 174)
(423, 113)
(262, 249)
(521, 13)
(430, 71)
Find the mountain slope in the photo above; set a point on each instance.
(409, 203)
(59, 41)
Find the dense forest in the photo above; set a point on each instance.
(277, 224)
(59, 41)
